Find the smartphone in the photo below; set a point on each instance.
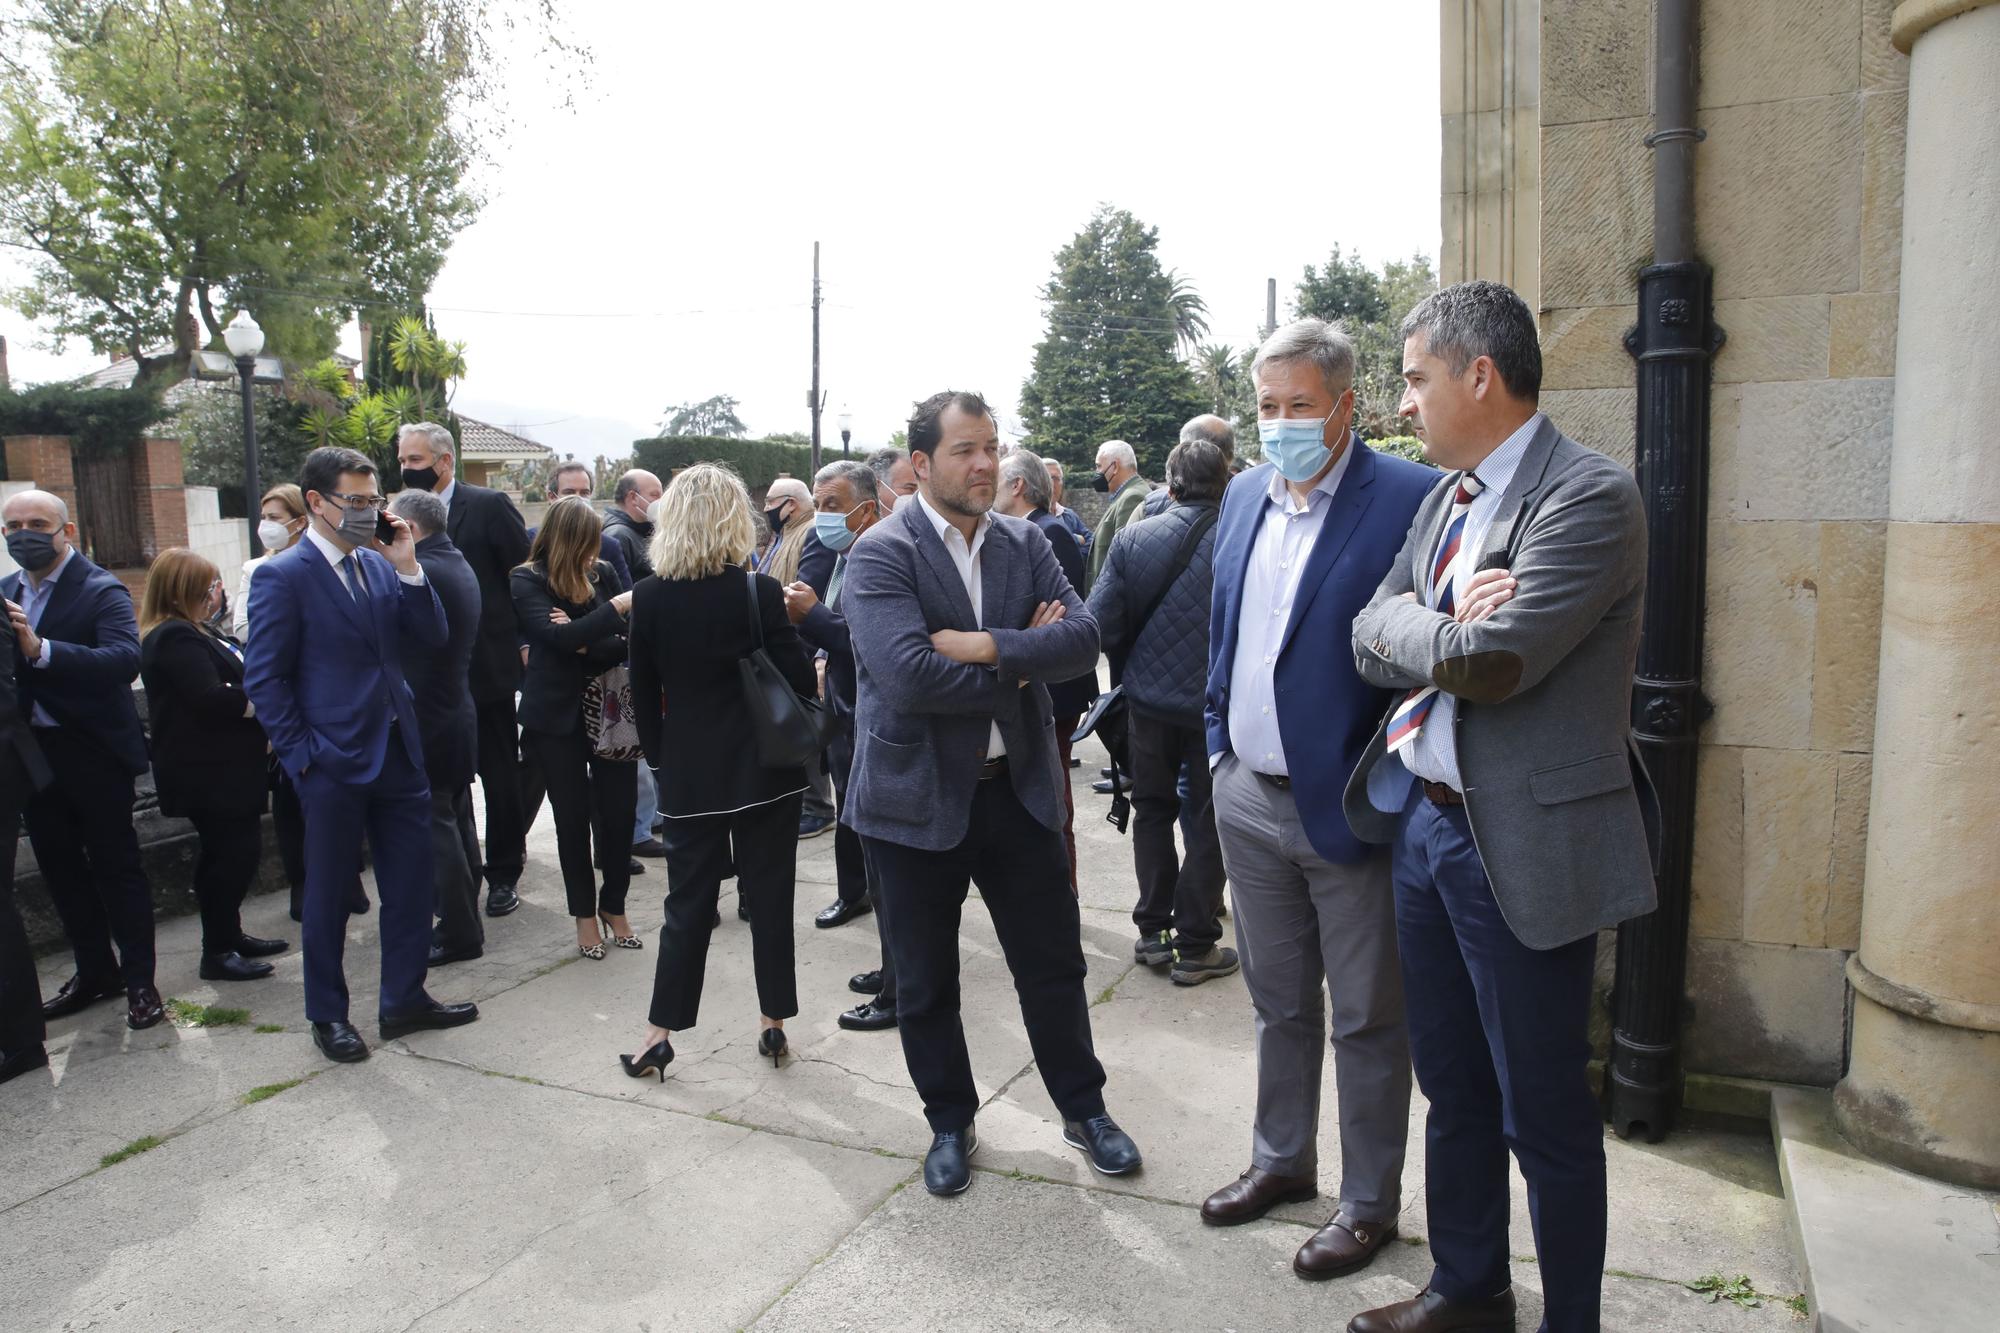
(385, 531)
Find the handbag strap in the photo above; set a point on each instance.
(756, 612)
(1190, 540)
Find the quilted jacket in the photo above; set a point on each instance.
(1166, 667)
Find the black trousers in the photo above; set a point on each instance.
(1182, 895)
(1023, 877)
(500, 780)
(593, 800)
(225, 862)
(81, 830)
(850, 868)
(766, 841)
(455, 862)
(20, 989)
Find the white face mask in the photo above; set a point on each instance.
(273, 534)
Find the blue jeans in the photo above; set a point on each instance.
(648, 807)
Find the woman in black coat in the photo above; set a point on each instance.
(575, 627)
(208, 753)
(691, 625)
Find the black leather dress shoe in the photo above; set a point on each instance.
(865, 983)
(1429, 1312)
(144, 1009)
(440, 955)
(427, 1016)
(869, 1017)
(650, 847)
(78, 994)
(1110, 1149)
(839, 912)
(232, 967)
(252, 947)
(13, 1064)
(339, 1042)
(1103, 786)
(634, 866)
(948, 1165)
(502, 899)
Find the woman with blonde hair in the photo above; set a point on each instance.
(208, 752)
(569, 611)
(691, 624)
(281, 523)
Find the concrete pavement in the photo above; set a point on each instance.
(508, 1175)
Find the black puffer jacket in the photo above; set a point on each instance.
(1166, 665)
(635, 540)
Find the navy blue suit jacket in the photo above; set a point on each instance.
(816, 564)
(93, 659)
(326, 670)
(1070, 698)
(446, 717)
(826, 629)
(1326, 713)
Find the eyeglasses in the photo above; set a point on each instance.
(215, 585)
(375, 502)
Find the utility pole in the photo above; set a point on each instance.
(1270, 306)
(814, 399)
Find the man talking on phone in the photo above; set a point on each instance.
(325, 673)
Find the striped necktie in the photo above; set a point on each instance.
(1408, 719)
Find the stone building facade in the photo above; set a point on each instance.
(1846, 908)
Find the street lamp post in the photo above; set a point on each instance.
(846, 430)
(245, 340)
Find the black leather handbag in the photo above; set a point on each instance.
(790, 731)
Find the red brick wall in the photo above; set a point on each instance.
(44, 460)
(160, 493)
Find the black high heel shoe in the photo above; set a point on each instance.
(771, 1042)
(653, 1060)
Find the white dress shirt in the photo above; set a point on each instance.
(35, 594)
(1286, 532)
(966, 559)
(1433, 753)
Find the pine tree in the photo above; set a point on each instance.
(1107, 369)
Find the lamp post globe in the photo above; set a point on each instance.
(245, 340)
(846, 430)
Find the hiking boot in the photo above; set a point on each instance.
(1193, 969)
(1153, 950)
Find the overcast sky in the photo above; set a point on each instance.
(654, 244)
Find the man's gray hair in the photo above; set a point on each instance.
(1197, 472)
(1469, 320)
(422, 510)
(1316, 341)
(1118, 452)
(1212, 429)
(883, 461)
(859, 476)
(1029, 470)
(440, 438)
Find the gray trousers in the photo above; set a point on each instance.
(455, 858)
(1302, 920)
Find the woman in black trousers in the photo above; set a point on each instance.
(691, 625)
(208, 753)
(574, 623)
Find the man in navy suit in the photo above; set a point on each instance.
(325, 670)
(449, 727)
(959, 621)
(79, 653)
(1303, 540)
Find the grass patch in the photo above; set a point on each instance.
(518, 1078)
(188, 1014)
(269, 1027)
(268, 1091)
(1797, 1305)
(132, 1149)
(550, 967)
(1104, 996)
(1737, 1290)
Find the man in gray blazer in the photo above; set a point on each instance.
(1505, 782)
(959, 619)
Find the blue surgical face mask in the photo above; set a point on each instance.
(832, 530)
(1295, 446)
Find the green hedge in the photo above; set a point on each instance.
(758, 462)
(93, 419)
(1402, 446)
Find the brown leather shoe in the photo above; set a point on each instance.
(144, 1009)
(1432, 1313)
(1341, 1246)
(1253, 1194)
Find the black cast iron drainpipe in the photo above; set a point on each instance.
(1674, 342)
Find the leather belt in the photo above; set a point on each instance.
(1278, 780)
(993, 768)
(1439, 794)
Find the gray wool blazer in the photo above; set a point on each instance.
(1562, 811)
(922, 721)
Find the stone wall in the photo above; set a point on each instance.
(1799, 195)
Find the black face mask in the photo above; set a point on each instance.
(1100, 482)
(31, 550)
(420, 478)
(777, 523)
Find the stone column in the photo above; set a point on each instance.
(1491, 90)
(1923, 1082)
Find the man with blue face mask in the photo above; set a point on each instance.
(1302, 542)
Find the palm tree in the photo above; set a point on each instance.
(1190, 312)
(1219, 372)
